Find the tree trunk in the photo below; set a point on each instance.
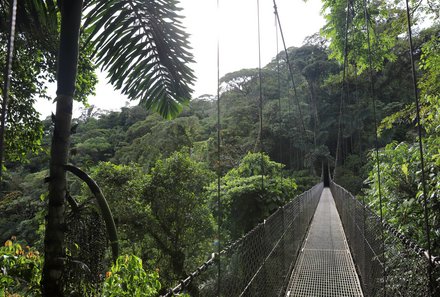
(178, 262)
(54, 253)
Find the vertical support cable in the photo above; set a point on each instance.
(280, 118)
(356, 92)
(376, 140)
(7, 82)
(422, 159)
(260, 85)
(219, 169)
(364, 216)
(343, 89)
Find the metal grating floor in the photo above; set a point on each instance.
(324, 267)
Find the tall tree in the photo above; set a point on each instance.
(244, 201)
(177, 213)
(54, 253)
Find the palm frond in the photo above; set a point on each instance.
(37, 18)
(145, 50)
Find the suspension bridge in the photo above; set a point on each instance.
(324, 242)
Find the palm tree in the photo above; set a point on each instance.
(144, 48)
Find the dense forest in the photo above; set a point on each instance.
(311, 105)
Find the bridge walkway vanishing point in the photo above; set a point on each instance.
(301, 250)
(325, 266)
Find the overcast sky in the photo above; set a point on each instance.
(236, 25)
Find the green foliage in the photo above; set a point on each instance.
(163, 211)
(254, 164)
(352, 174)
(21, 208)
(23, 127)
(33, 67)
(429, 89)
(96, 149)
(385, 24)
(169, 200)
(177, 213)
(247, 196)
(86, 78)
(243, 81)
(127, 277)
(399, 161)
(20, 270)
(430, 64)
(402, 189)
(122, 186)
(158, 138)
(20, 274)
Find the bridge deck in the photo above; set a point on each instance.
(324, 266)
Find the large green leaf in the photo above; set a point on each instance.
(143, 47)
(39, 18)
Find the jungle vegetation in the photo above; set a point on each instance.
(157, 163)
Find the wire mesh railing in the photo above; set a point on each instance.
(389, 264)
(260, 262)
(86, 247)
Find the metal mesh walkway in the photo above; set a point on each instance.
(325, 267)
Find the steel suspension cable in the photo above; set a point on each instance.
(277, 29)
(422, 159)
(376, 140)
(289, 67)
(278, 22)
(7, 82)
(219, 168)
(280, 119)
(260, 90)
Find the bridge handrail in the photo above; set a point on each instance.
(387, 260)
(408, 242)
(211, 261)
(231, 247)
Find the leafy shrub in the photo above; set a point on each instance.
(20, 274)
(248, 197)
(20, 270)
(401, 189)
(127, 277)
